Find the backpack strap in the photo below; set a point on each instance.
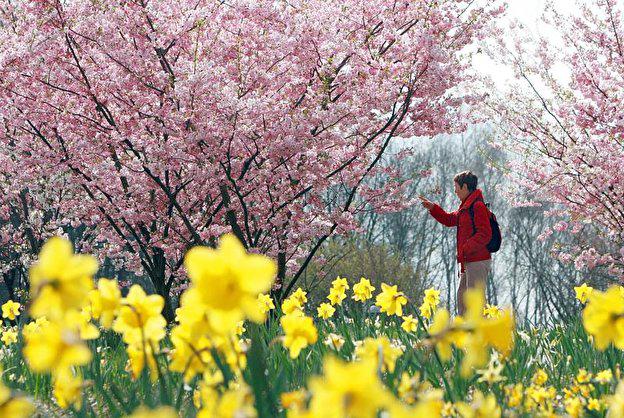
(471, 212)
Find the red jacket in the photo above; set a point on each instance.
(471, 246)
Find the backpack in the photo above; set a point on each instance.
(495, 241)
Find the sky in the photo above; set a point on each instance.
(528, 13)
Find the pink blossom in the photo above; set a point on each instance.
(164, 125)
(569, 132)
(560, 226)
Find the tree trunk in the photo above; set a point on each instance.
(158, 279)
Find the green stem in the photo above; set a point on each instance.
(447, 386)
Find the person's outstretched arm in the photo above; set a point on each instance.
(440, 215)
(483, 233)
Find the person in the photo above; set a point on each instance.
(472, 237)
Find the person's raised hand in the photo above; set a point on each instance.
(426, 202)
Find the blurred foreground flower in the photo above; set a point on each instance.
(55, 349)
(481, 406)
(60, 280)
(105, 301)
(347, 389)
(162, 412)
(474, 333)
(603, 318)
(14, 406)
(379, 350)
(228, 281)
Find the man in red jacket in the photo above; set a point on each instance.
(472, 238)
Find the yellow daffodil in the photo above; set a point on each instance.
(411, 389)
(206, 393)
(474, 334)
(55, 348)
(340, 284)
(514, 394)
(325, 310)
(582, 292)
(10, 310)
(193, 338)
(615, 402)
(539, 397)
(426, 310)
(336, 296)
(594, 404)
(603, 318)
(347, 390)
(191, 354)
(391, 300)
(80, 322)
(105, 301)
(574, 406)
(292, 305)
(484, 333)
(14, 406)
(161, 412)
(236, 402)
(481, 406)
(406, 387)
(299, 333)
(540, 377)
(293, 400)
(240, 328)
(604, 376)
(430, 404)
(491, 374)
(432, 297)
(140, 318)
(9, 336)
(67, 390)
(60, 280)
(334, 341)
(34, 326)
(300, 295)
(583, 376)
(379, 350)
(441, 335)
(492, 311)
(363, 290)
(409, 324)
(142, 326)
(265, 303)
(138, 356)
(229, 280)
(430, 303)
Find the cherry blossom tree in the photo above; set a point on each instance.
(563, 117)
(160, 125)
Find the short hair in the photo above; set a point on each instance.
(467, 178)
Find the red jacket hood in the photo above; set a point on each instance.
(477, 194)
